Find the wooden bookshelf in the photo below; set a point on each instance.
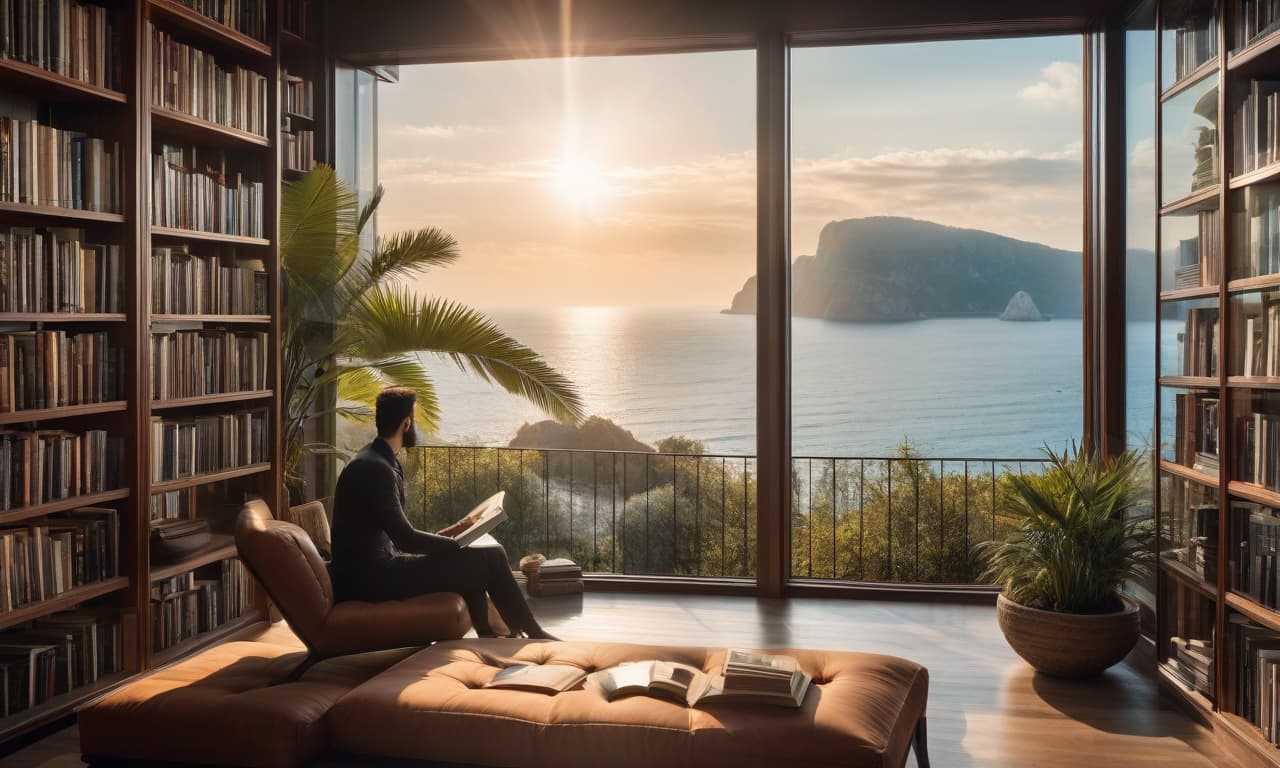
(176, 233)
(1184, 294)
(65, 412)
(1253, 382)
(127, 116)
(203, 400)
(1259, 56)
(1257, 176)
(1255, 493)
(1200, 200)
(1189, 382)
(1187, 473)
(62, 505)
(53, 86)
(69, 599)
(1191, 79)
(221, 547)
(1259, 283)
(1188, 577)
(1263, 615)
(57, 708)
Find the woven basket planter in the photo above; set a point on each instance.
(1067, 644)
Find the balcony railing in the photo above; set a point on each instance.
(896, 519)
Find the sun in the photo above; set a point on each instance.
(579, 180)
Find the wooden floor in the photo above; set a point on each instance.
(986, 707)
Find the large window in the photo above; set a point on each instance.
(605, 212)
(936, 235)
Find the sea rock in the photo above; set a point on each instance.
(1021, 309)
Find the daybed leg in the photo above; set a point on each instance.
(299, 670)
(919, 743)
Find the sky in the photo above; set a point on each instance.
(630, 181)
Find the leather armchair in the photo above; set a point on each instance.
(285, 561)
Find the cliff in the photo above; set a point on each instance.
(887, 268)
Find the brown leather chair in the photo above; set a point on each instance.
(285, 561)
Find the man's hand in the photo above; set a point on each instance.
(454, 529)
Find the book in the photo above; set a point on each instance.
(186, 447)
(44, 165)
(207, 362)
(680, 683)
(486, 516)
(746, 677)
(194, 82)
(85, 49)
(214, 282)
(205, 190)
(538, 678)
(246, 16)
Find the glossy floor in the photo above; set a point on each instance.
(986, 707)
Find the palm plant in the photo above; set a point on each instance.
(352, 325)
(1075, 540)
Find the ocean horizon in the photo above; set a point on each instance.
(963, 387)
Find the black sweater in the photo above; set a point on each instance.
(368, 518)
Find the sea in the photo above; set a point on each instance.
(952, 387)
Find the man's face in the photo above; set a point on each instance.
(411, 435)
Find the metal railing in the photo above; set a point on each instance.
(896, 519)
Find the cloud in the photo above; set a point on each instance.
(1058, 87)
(406, 131)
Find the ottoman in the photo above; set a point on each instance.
(220, 708)
(862, 711)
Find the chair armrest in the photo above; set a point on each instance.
(354, 626)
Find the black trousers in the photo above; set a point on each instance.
(475, 573)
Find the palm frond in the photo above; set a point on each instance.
(394, 322)
(318, 219)
(408, 254)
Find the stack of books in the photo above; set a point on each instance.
(560, 576)
(52, 369)
(41, 559)
(42, 165)
(191, 81)
(186, 605)
(246, 16)
(184, 283)
(201, 189)
(188, 447)
(1192, 662)
(195, 363)
(54, 655)
(81, 39)
(55, 270)
(48, 465)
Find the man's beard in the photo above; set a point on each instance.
(411, 436)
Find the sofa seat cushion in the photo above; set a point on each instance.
(219, 708)
(861, 711)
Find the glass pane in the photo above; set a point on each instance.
(1189, 37)
(1192, 246)
(1189, 141)
(1188, 521)
(1189, 435)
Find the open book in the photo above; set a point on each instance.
(538, 678)
(746, 678)
(479, 521)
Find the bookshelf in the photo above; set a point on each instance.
(1218, 364)
(120, 107)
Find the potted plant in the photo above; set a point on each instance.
(352, 324)
(1074, 542)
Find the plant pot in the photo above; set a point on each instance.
(1068, 644)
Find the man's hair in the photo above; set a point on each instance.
(394, 405)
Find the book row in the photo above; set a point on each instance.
(1255, 573)
(1197, 437)
(48, 465)
(1200, 257)
(195, 363)
(54, 655)
(1260, 450)
(1191, 661)
(189, 80)
(56, 270)
(183, 283)
(1257, 227)
(199, 189)
(1256, 123)
(1252, 653)
(171, 505)
(53, 369)
(43, 165)
(298, 150)
(186, 605)
(1199, 342)
(246, 16)
(297, 17)
(77, 40)
(1253, 19)
(1194, 44)
(40, 560)
(298, 96)
(188, 447)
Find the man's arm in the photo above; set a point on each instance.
(385, 505)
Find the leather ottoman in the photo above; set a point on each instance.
(219, 707)
(862, 711)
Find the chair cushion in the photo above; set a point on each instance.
(357, 626)
(219, 708)
(861, 711)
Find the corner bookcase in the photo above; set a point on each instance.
(140, 292)
(1218, 363)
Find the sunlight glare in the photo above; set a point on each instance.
(579, 180)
